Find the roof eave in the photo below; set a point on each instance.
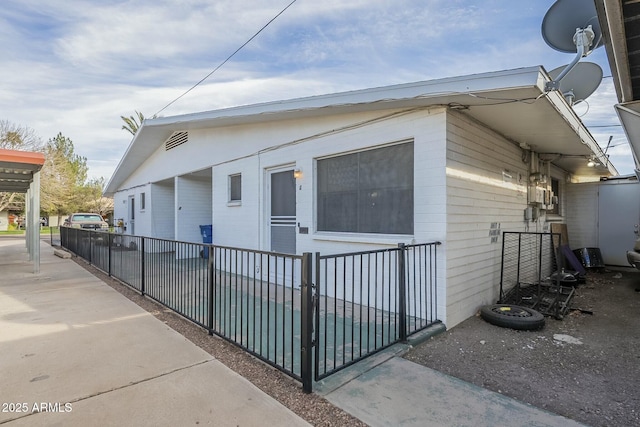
(421, 94)
(611, 20)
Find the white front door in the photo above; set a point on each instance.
(281, 211)
(132, 215)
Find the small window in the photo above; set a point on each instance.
(235, 188)
(142, 201)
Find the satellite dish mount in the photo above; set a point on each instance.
(583, 39)
(571, 26)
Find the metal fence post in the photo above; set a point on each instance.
(306, 315)
(211, 289)
(142, 273)
(109, 253)
(402, 294)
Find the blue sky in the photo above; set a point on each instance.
(76, 66)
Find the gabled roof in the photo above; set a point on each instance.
(17, 169)
(511, 102)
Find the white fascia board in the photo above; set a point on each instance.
(557, 99)
(154, 132)
(452, 86)
(629, 115)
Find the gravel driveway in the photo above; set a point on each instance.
(585, 367)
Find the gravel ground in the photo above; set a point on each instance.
(311, 407)
(585, 367)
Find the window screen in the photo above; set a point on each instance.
(367, 192)
(235, 188)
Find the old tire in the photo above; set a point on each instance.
(512, 316)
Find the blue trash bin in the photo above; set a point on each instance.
(207, 236)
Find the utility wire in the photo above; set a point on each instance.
(228, 58)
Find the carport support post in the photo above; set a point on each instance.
(402, 295)
(306, 317)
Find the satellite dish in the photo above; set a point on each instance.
(580, 82)
(562, 20)
(571, 26)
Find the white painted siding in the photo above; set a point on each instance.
(479, 193)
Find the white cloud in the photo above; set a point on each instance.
(76, 66)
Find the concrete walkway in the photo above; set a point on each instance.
(387, 390)
(75, 352)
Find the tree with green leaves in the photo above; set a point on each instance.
(93, 201)
(63, 178)
(132, 123)
(14, 137)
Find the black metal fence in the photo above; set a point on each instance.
(264, 302)
(367, 301)
(54, 235)
(531, 273)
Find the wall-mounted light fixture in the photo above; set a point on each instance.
(592, 162)
(297, 173)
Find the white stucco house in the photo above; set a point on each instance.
(450, 160)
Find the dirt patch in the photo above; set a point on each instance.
(585, 367)
(311, 407)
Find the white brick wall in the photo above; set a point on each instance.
(162, 210)
(459, 190)
(237, 224)
(193, 197)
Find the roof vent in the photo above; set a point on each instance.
(177, 138)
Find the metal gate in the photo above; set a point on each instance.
(367, 301)
(529, 261)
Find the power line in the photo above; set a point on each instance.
(228, 58)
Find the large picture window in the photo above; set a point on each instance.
(367, 192)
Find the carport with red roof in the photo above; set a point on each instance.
(20, 173)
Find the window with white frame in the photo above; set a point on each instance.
(142, 201)
(368, 191)
(235, 188)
